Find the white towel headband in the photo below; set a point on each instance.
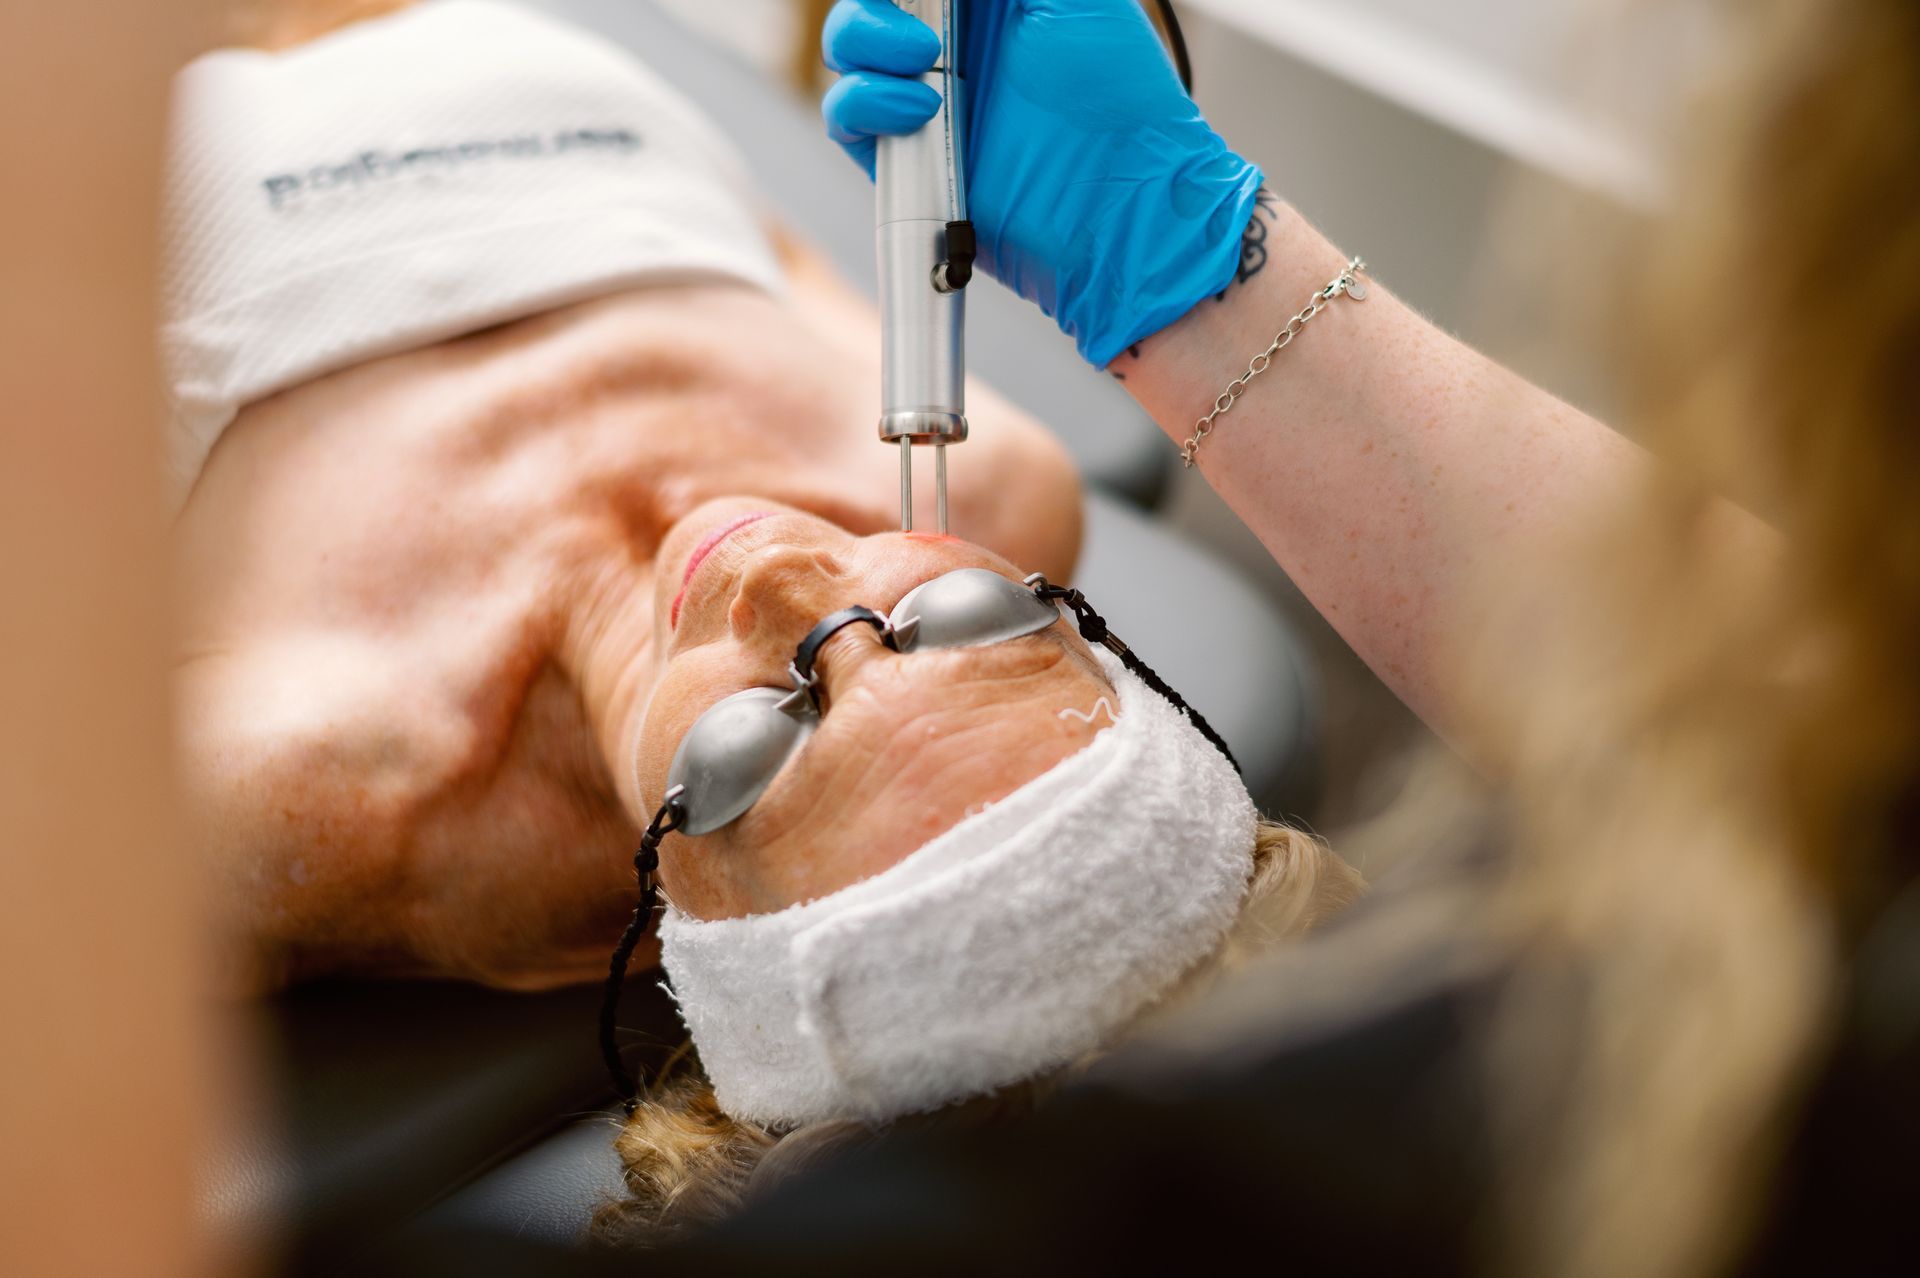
(416, 176)
(1016, 942)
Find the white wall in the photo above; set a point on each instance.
(1524, 77)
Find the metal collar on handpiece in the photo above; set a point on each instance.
(734, 750)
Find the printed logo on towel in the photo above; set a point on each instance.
(377, 166)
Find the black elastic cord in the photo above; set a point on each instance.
(829, 626)
(1177, 44)
(1093, 628)
(646, 864)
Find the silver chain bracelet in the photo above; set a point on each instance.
(1348, 282)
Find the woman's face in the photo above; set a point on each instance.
(909, 743)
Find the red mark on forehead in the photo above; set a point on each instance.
(927, 536)
(701, 551)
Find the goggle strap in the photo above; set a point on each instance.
(646, 864)
(1093, 628)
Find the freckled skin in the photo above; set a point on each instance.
(1402, 480)
(425, 599)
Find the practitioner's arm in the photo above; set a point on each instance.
(1387, 467)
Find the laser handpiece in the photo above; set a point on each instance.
(926, 247)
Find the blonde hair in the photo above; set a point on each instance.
(687, 1163)
(1708, 766)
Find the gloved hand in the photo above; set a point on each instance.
(1097, 190)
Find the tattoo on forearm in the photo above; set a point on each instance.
(1253, 242)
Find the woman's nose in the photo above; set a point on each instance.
(783, 590)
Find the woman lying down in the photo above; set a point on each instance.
(530, 501)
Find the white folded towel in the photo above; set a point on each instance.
(415, 177)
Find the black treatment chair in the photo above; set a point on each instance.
(398, 1111)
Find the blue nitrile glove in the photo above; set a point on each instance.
(1097, 190)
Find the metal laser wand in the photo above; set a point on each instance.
(926, 248)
